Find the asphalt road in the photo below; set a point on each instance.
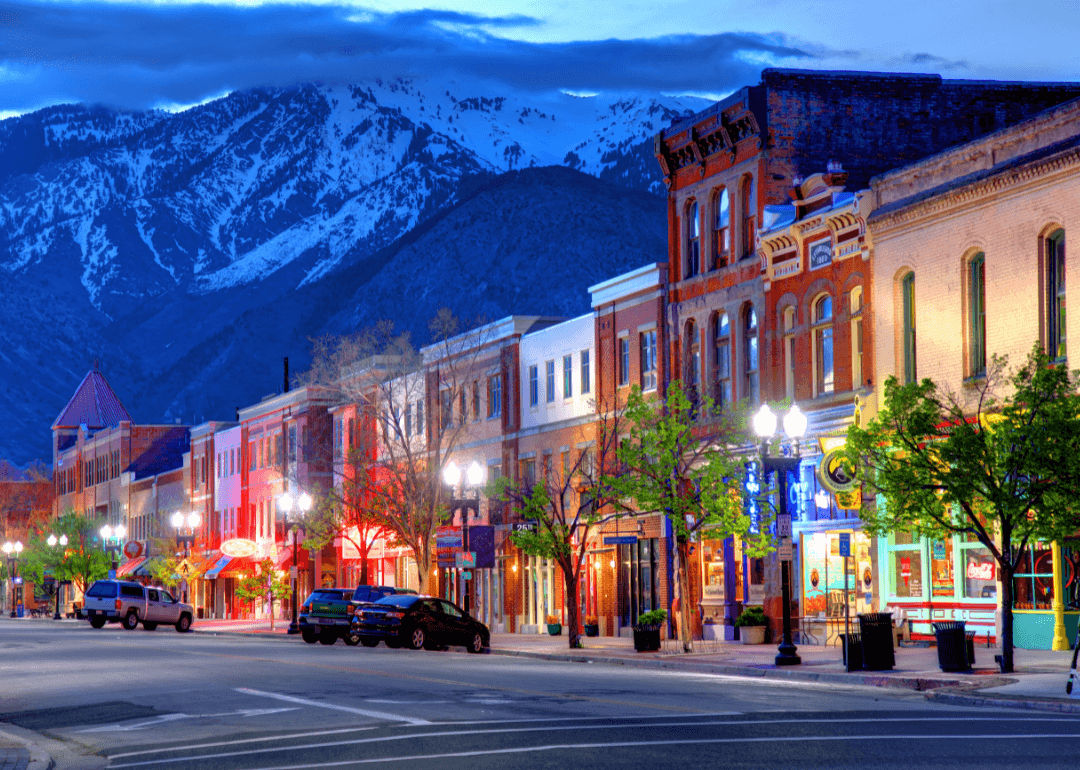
(113, 698)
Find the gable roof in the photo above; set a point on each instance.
(94, 405)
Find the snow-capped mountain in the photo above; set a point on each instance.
(141, 237)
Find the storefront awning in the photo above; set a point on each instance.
(142, 569)
(241, 567)
(214, 571)
(284, 559)
(129, 567)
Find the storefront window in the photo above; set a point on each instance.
(941, 568)
(823, 574)
(1033, 581)
(905, 565)
(712, 581)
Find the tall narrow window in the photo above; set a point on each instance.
(1055, 295)
(693, 240)
(420, 416)
(855, 301)
(788, 325)
(586, 374)
(549, 377)
(648, 360)
(750, 354)
(494, 395)
(476, 400)
(722, 228)
(567, 376)
(692, 360)
(977, 315)
(447, 408)
(907, 294)
(748, 208)
(722, 351)
(534, 385)
(822, 317)
(624, 360)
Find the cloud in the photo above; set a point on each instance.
(136, 56)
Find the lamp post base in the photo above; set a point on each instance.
(786, 655)
(294, 628)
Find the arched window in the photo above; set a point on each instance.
(693, 241)
(722, 359)
(748, 209)
(976, 286)
(788, 325)
(722, 228)
(750, 354)
(907, 309)
(692, 360)
(1054, 249)
(855, 305)
(821, 316)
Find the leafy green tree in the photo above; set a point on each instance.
(683, 459)
(82, 560)
(1000, 462)
(567, 503)
(264, 582)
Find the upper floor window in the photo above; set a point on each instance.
(648, 359)
(693, 240)
(907, 318)
(624, 360)
(722, 359)
(692, 361)
(722, 228)
(750, 354)
(534, 385)
(855, 304)
(748, 207)
(788, 325)
(476, 400)
(976, 282)
(495, 395)
(567, 376)
(446, 398)
(338, 438)
(822, 316)
(292, 443)
(1055, 295)
(549, 372)
(420, 416)
(586, 380)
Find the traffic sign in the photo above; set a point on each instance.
(466, 575)
(783, 525)
(845, 544)
(620, 539)
(784, 550)
(466, 559)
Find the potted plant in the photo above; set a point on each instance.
(647, 630)
(592, 626)
(751, 624)
(553, 624)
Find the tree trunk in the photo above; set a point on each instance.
(1006, 612)
(570, 581)
(364, 568)
(425, 580)
(682, 556)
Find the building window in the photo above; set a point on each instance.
(549, 380)
(722, 349)
(252, 455)
(907, 300)
(977, 315)
(693, 240)
(821, 318)
(750, 354)
(419, 416)
(408, 420)
(788, 325)
(495, 395)
(749, 213)
(534, 385)
(1055, 295)
(476, 400)
(567, 376)
(722, 228)
(624, 360)
(586, 376)
(292, 443)
(648, 360)
(855, 304)
(447, 399)
(339, 439)
(692, 360)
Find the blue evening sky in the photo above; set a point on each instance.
(168, 54)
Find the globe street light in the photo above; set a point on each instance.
(185, 526)
(302, 503)
(53, 541)
(12, 551)
(111, 538)
(474, 477)
(795, 428)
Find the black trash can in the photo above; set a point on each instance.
(852, 652)
(877, 637)
(970, 636)
(952, 646)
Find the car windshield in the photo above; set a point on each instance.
(370, 593)
(399, 600)
(102, 590)
(331, 595)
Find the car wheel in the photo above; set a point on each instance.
(327, 638)
(183, 624)
(417, 638)
(352, 639)
(309, 636)
(148, 625)
(97, 622)
(369, 642)
(476, 644)
(131, 620)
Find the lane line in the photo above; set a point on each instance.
(564, 728)
(240, 741)
(386, 715)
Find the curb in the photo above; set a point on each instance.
(1030, 703)
(40, 759)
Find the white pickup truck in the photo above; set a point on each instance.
(130, 603)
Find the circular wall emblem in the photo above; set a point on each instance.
(133, 549)
(833, 472)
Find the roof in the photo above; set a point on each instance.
(94, 405)
(165, 453)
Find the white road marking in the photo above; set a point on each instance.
(125, 727)
(334, 707)
(560, 728)
(391, 700)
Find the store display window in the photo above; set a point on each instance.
(905, 555)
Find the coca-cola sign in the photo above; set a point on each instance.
(980, 570)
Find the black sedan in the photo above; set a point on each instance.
(404, 620)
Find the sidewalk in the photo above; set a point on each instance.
(1037, 683)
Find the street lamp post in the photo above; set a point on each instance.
(12, 551)
(111, 538)
(795, 428)
(302, 503)
(474, 477)
(185, 526)
(53, 541)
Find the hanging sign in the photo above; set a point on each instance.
(845, 544)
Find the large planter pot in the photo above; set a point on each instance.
(554, 628)
(752, 634)
(646, 638)
(592, 629)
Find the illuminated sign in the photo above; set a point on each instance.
(980, 570)
(238, 547)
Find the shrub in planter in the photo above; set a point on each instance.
(751, 624)
(553, 625)
(647, 630)
(592, 627)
